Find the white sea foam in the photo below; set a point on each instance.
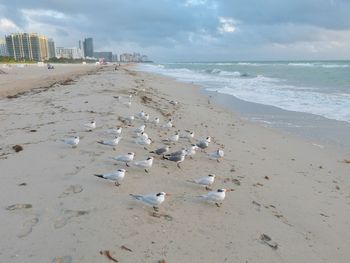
(266, 90)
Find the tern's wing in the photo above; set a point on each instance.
(202, 180)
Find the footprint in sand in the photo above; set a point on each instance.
(27, 227)
(67, 215)
(72, 189)
(64, 259)
(18, 206)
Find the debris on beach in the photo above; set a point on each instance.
(146, 99)
(68, 81)
(17, 148)
(64, 259)
(107, 253)
(166, 217)
(267, 240)
(18, 206)
(126, 248)
(162, 261)
(346, 161)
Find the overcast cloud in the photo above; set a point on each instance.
(187, 30)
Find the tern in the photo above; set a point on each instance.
(216, 196)
(206, 180)
(156, 121)
(217, 155)
(144, 164)
(90, 125)
(168, 125)
(153, 199)
(139, 129)
(127, 120)
(113, 142)
(173, 138)
(192, 150)
(143, 141)
(204, 143)
(115, 131)
(126, 158)
(71, 141)
(115, 176)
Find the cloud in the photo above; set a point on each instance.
(190, 29)
(7, 26)
(227, 25)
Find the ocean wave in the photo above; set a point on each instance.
(266, 90)
(319, 65)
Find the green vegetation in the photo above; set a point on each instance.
(11, 60)
(69, 60)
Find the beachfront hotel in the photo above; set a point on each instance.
(29, 46)
(3, 48)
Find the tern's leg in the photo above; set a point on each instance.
(146, 171)
(156, 208)
(218, 205)
(178, 165)
(218, 160)
(117, 184)
(127, 164)
(208, 188)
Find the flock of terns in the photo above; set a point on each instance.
(141, 138)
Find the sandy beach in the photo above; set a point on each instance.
(289, 200)
(17, 78)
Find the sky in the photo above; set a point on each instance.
(190, 30)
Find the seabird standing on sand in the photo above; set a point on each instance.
(144, 164)
(126, 158)
(71, 141)
(216, 196)
(206, 180)
(113, 142)
(203, 144)
(175, 158)
(161, 151)
(217, 155)
(153, 199)
(90, 125)
(115, 176)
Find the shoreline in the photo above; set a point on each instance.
(312, 128)
(284, 188)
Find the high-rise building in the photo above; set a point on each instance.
(44, 48)
(72, 53)
(27, 46)
(3, 48)
(88, 47)
(52, 48)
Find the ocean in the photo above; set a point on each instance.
(303, 97)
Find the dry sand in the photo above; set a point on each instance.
(292, 191)
(17, 78)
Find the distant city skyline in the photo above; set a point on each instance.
(191, 30)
